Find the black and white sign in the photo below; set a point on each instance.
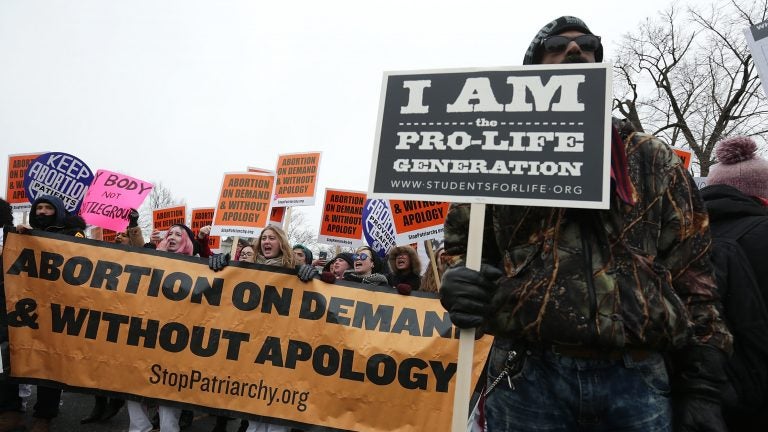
(757, 40)
(520, 135)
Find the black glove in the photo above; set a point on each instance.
(306, 272)
(133, 218)
(218, 261)
(696, 390)
(466, 294)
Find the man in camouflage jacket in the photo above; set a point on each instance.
(587, 304)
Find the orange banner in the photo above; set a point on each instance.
(164, 218)
(200, 218)
(247, 341)
(15, 193)
(296, 179)
(341, 223)
(243, 206)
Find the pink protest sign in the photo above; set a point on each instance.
(110, 199)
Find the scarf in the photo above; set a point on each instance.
(620, 169)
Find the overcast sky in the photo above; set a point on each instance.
(183, 91)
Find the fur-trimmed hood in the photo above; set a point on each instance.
(415, 260)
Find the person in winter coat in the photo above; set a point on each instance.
(737, 201)
(179, 239)
(272, 248)
(338, 265)
(367, 268)
(48, 214)
(586, 305)
(302, 255)
(430, 282)
(405, 266)
(105, 408)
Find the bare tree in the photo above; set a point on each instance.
(160, 197)
(691, 79)
(299, 231)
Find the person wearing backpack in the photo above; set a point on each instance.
(737, 201)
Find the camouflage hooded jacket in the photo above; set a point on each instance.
(631, 276)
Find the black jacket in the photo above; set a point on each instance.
(726, 205)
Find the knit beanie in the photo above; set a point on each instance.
(740, 167)
(346, 256)
(560, 25)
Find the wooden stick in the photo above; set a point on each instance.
(462, 393)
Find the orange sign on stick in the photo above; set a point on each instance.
(15, 193)
(202, 217)
(276, 216)
(685, 155)
(418, 220)
(164, 218)
(108, 235)
(342, 219)
(296, 179)
(243, 206)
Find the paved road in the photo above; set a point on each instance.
(76, 406)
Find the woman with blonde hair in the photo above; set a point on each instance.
(272, 248)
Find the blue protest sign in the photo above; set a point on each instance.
(378, 226)
(61, 175)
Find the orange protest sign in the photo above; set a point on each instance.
(202, 217)
(276, 216)
(243, 206)
(418, 220)
(164, 218)
(685, 155)
(247, 341)
(296, 179)
(108, 235)
(341, 223)
(15, 193)
(103, 234)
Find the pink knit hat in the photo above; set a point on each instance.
(740, 167)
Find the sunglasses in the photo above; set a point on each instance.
(360, 257)
(556, 44)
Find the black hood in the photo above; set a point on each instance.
(60, 216)
(726, 202)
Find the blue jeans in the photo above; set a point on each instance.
(555, 393)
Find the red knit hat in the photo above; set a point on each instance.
(740, 167)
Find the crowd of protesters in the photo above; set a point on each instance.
(399, 270)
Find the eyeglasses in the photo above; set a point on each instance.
(361, 257)
(556, 44)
